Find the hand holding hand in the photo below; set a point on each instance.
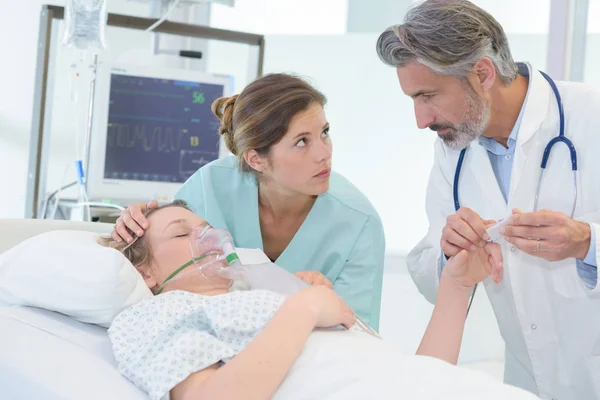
(469, 268)
(464, 230)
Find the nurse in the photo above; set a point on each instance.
(278, 193)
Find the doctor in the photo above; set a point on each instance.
(278, 193)
(494, 119)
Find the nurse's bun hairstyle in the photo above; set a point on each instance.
(260, 115)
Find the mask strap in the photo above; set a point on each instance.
(178, 270)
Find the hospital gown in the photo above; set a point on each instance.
(159, 342)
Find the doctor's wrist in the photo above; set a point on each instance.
(582, 240)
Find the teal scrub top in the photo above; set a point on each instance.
(342, 237)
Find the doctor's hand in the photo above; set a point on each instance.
(467, 269)
(133, 219)
(314, 278)
(464, 230)
(550, 235)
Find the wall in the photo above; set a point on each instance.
(19, 32)
(297, 17)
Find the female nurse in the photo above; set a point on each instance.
(278, 193)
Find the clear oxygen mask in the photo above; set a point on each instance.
(211, 253)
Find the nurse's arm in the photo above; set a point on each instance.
(361, 278)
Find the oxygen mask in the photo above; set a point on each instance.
(211, 252)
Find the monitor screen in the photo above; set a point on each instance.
(159, 130)
(152, 128)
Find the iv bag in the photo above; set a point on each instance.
(85, 24)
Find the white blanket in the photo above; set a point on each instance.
(354, 365)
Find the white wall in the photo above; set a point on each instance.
(592, 56)
(16, 81)
(299, 17)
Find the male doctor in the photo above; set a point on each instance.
(453, 60)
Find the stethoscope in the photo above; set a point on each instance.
(561, 138)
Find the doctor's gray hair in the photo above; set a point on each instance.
(449, 37)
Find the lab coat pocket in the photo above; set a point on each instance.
(566, 280)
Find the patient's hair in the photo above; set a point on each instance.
(139, 251)
(260, 115)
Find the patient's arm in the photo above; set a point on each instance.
(260, 368)
(443, 336)
(444, 333)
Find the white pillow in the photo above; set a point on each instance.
(70, 273)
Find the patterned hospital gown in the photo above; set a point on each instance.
(159, 342)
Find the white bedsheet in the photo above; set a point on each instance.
(353, 365)
(45, 355)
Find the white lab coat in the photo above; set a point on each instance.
(548, 318)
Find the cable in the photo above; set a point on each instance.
(471, 300)
(102, 205)
(58, 192)
(47, 201)
(174, 4)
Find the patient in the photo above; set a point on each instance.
(212, 341)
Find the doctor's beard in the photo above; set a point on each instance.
(474, 123)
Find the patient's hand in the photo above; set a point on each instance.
(314, 278)
(469, 268)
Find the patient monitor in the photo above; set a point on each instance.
(151, 130)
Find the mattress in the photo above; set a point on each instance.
(46, 355)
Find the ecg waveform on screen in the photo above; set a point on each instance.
(155, 139)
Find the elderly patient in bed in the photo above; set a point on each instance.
(210, 338)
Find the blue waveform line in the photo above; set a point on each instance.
(186, 83)
(138, 117)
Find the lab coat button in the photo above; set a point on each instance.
(513, 249)
(508, 157)
(534, 327)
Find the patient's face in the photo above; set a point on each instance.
(169, 240)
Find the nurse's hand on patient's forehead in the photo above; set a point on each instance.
(132, 219)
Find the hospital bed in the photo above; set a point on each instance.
(46, 355)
